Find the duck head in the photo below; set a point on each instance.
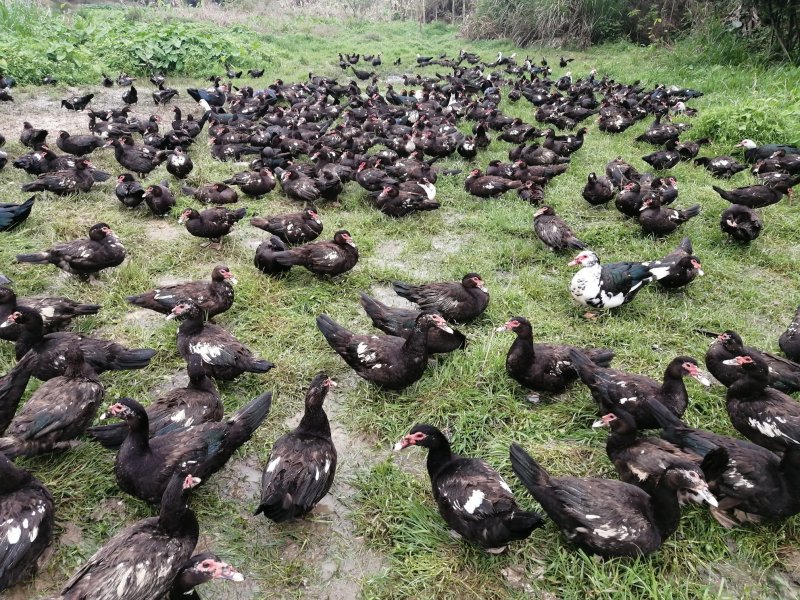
(587, 258)
(427, 436)
(473, 280)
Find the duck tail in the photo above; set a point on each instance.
(33, 186)
(600, 356)
(664, 416)
(723, 193)
(133, 359)
(37, 258)
(335, 334)
(254, 412)
(278, 508)
(258, 365)
(690, 212)
(686, 245)
(528, 470)
(109, 436)
(583, 365)
(404, 290)
(87, 309)
(522, 523)
(373, 308)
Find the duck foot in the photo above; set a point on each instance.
(533, 398)
(590, 316)
(455, 535)
(496, 550)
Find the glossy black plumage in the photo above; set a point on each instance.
(212, 193)
(64, 182)
(139, 159)
(784, 375)
(54, 311)
(211, 297)
(789, 340)
(400, 322)
(49, 350)
(662, 220)
(144, 466)
(678, 268)
(762, 414)
(757, 196)
(129, 191)
(224, 357)
(612, 387)
(159, 199)
(388, 361)
(458, 301)
(83, 257)
(178, 163)
(720, 166)
(12, 387)
(27, 514)
(12, 215)
(544, 367)
(323, 258)
(741, 223)
(78, 145)
(58, 411)
(472, 497)
(553, 231)
(198, 402)
(608, 285)
(754, 486)
(77, 103)
(602, 516)
(31, 136)
(302, 463)
(266, 254)
(598, 190)
(213, 223)
(142, 561)
(292, 228)
(254, 183)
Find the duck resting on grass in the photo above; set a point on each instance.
(608, 517)
(472, 497)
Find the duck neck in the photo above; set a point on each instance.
(191, 326)
(30, 336)
(438, 457)
(175, 516)
(12, 477)
(673, 385)
(417, 342)
(139, 434)
(747, 387)
(522, 348)
(790, 468)
(315, 421)
(666, 510)
(619, 440)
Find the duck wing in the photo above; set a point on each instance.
(474, 490)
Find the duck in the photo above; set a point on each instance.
(299, 187)
(543, 367)
(762, 414)
(456, 301)
(78, 145)
(741, 223)
(753, 152)
(163, 95)
(488, 186)
(323, 258)
(144, 465)
(130, 96)
(50, 350)
(55, 311)
(660, 220)
(199, 402)
(720, 166)
(642, 461)
(142, 560)
(213, 223)
(84, 257)
(31, 136)
(612, 387)
(789, 340)
(609, 285)
(12, 387)
(265, 257)
(605, 517)
(756, 486)
(618, 171)
(159, 199)
(254, 183)
(664, 159)
(200, 569)
(779, 161)
(660, 133)
(129, 191)
(27, 514)
(784, 375)
(629, 199)
(758, 196)
(178, 163)
(553, 231)
(302, 463)
(139, 159)
(13, 215)
(212, 193)
(388, 361)
(690, 149)
(678, 268)
(224, 357)
(77, 103)
(598, 190)
(472, 497)
(292, 228)
(58, 411)
(397, 202)
(71, 180)
(212, 297)
(400, 322)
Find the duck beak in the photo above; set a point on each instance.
(228, 572)
(731, 362)
(599, 423)
(702, 378)
(698, 496)
(402, 444)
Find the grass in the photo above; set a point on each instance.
(408, 552)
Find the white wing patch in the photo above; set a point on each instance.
(475, 500)
(208, 352)
(273, 464)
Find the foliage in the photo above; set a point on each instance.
(782, 17)
(77, 47)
